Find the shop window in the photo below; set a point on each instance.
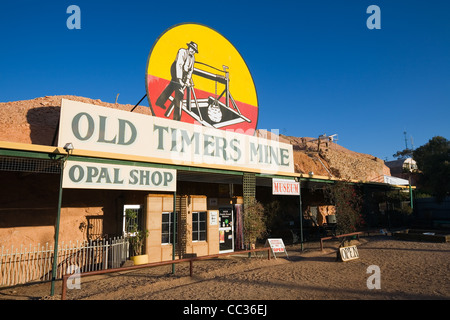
(199, 226)
(167, 228)
(132, 219)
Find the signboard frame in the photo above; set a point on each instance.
(96, 175)
(117, 132)
(213, 63)
(285, 187)
(276, 245)
(213, 217)
(348, 253)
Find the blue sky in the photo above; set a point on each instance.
(316, 66)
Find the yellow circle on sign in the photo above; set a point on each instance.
(214, 55)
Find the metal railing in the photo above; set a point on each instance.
(334, 237)
(24, 264)
(156, 264)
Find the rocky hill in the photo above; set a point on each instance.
(35, 121)
(332, 160)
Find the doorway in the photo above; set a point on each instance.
(226, 229)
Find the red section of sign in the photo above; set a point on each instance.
(246, 116)
(285, 188)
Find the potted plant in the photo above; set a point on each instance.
(136, 237)
(254, 223)
(137, 242)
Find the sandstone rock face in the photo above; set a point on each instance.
(332, 160)
(35, 121)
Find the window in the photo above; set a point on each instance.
(199, 226)
(132, 217)
(167, 228)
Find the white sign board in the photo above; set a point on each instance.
(348, 253)
(101, 129)
(89, 175)
(213, 214)
(285, 187)
(277, 246)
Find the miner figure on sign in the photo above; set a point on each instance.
(181, 73)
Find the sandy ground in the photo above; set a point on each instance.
(409, 270)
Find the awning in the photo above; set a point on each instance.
(396, 181)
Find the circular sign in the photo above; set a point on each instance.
(195, 75)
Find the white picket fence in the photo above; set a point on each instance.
(33, 264)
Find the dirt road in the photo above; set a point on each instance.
(408, 270)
